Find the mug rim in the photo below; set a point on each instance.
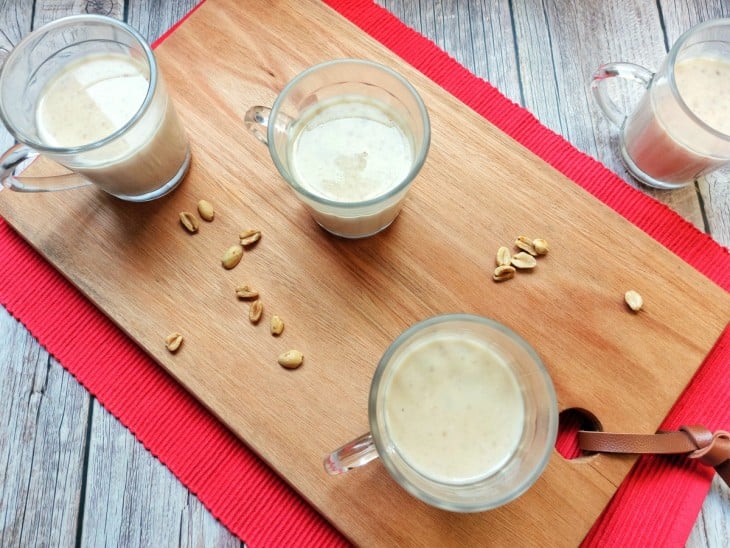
(415, 168)
(384, 451)
(66, 21)
(672, 61)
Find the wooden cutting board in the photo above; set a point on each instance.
(344, 301)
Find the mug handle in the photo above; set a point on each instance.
(628, 71)
(17, 155)
(257, 122)
(356, 453)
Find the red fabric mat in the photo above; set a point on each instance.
(656, 505)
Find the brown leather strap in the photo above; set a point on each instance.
(696, 441)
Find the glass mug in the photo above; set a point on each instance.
(86, 92)
(680, 129)
(348, 136)
(462, 413)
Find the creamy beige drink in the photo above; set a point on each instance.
(462, 414)
(704, 84)
(454, 409)
(656, 134)
(94, 96)
(351, 149)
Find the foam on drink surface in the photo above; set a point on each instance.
(454, 409)
(349, 149)
(90, 99)
(704, 84)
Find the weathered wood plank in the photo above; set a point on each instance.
(152, 18)
(713, 524)
(715, 191)
(477, 34)
(49, 10)
(133, 500)
(43, 418)
(15, 22)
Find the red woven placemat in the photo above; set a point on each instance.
(657, 503)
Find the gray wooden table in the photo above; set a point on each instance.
(70, 474)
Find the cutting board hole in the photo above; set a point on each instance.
(569, 422)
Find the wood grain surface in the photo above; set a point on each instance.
(354, 262)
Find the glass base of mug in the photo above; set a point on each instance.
(353, 236)
(168, 187)
(645, 178)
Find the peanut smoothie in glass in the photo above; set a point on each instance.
(661, 145)
(351, 149)
(349, 136)
(94, 96)
(462, 414)
(454, 409)
(85, 91)
(680, 129)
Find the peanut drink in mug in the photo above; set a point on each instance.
(680, 129)
(86, 92)
(348, 136)
(462, 412)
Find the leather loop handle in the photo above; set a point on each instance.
(697, 442)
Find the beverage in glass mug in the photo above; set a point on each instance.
(348, 136)
(663, 149)
(462, 413)
(454, 409)
(351, 149)
(680, 129)
(86, 92)
(96, 95)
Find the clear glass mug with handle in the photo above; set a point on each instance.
(462, 413)
(349, 136)
(680, 129)
(86, 92)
